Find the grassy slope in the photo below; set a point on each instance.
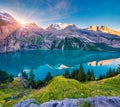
(60, 88)
(106, 87)
(9, 89)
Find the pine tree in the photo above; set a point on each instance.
(92, 76)
(100, 77)
(118, 69)
(113, 72)
(48, 77)
(81, 74)
(88, 76)
(72, 74)
(24, 75)
(39, 83)
(32, 78)
(5, 77)
(76, 75)
(67, 74)
(110, 73)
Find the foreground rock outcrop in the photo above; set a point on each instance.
(98, 101)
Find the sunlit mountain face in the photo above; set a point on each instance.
(104, 29)
(16, 36)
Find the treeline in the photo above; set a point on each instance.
(78, 74)
(81, 76)
(110, 73)
(32, 82)
(5, 77)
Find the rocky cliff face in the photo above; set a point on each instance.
(104, 29)
(14, 36)
(7, 25)
(98, 101)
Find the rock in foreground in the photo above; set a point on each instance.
(98, 101)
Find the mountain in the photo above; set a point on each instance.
(58, 26)
(104, 29)
(14, 37)
(7, 25)
(28, 30)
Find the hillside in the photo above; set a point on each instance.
(11, 90)
(60, 88)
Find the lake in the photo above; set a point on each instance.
(58, 61)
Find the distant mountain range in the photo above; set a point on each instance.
(14, 37)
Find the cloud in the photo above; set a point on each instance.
(56, 10)
(40, 10)
(61, 5)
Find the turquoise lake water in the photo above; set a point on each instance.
(57, 61)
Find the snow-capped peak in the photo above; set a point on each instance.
(64, 25)
(58, 26)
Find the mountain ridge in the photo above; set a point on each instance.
(14, 36)
(104, 29)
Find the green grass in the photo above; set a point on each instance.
(11, 89)
(60, 88)
(106, 87)
(86, 104)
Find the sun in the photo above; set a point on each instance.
(22, 21)
(18, 17)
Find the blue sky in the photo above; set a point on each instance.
(80, 12)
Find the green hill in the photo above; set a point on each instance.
(60, 88)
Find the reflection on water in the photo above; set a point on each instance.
(42, 61)
(111, 62)
(101, 67)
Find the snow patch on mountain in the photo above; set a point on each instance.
(58, 26)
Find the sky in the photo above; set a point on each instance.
(83, 13)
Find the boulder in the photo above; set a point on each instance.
(98, 101)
